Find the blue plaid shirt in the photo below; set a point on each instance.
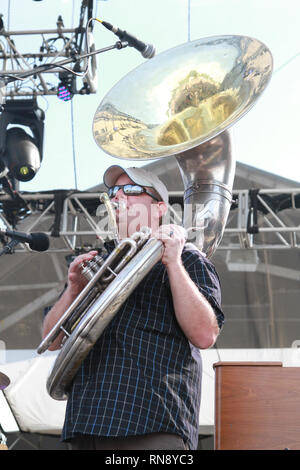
(142, 375)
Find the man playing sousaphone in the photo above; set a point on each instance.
(140, 385)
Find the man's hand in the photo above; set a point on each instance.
(173, 238)
(76, 280)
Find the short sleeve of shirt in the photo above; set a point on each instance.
(204, 275)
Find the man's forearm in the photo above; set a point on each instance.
(54, 315)
(194, 314)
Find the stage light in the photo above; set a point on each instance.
(63, 93)
(67, 86)
(20, 153)
(24, 158)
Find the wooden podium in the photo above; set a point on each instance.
(257, 406)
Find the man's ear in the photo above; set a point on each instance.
(162, 207)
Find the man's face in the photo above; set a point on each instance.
(134, 212)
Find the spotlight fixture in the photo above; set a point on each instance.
(63, 93)
(20, 153)
(67, 86)
(24, 156)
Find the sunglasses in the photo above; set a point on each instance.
(129, 190)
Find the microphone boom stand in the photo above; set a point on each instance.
(8, 249)
(43, 68)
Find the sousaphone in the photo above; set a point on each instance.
(180, 103)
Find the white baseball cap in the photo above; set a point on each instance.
(137, 175)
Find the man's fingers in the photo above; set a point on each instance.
(81, 258)
(171, 231)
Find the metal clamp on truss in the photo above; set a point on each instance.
(252, 224)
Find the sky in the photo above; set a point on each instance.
(266, 138)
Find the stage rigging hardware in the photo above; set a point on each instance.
(40, 67)
(26, 80)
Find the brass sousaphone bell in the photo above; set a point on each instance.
(179, 103)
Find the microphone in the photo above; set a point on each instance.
(147, 50)
(37, 241)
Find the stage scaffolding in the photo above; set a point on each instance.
(258, 220)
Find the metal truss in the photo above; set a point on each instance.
(76, 221)
(70, 220)
(50, 44)
(263, 219)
